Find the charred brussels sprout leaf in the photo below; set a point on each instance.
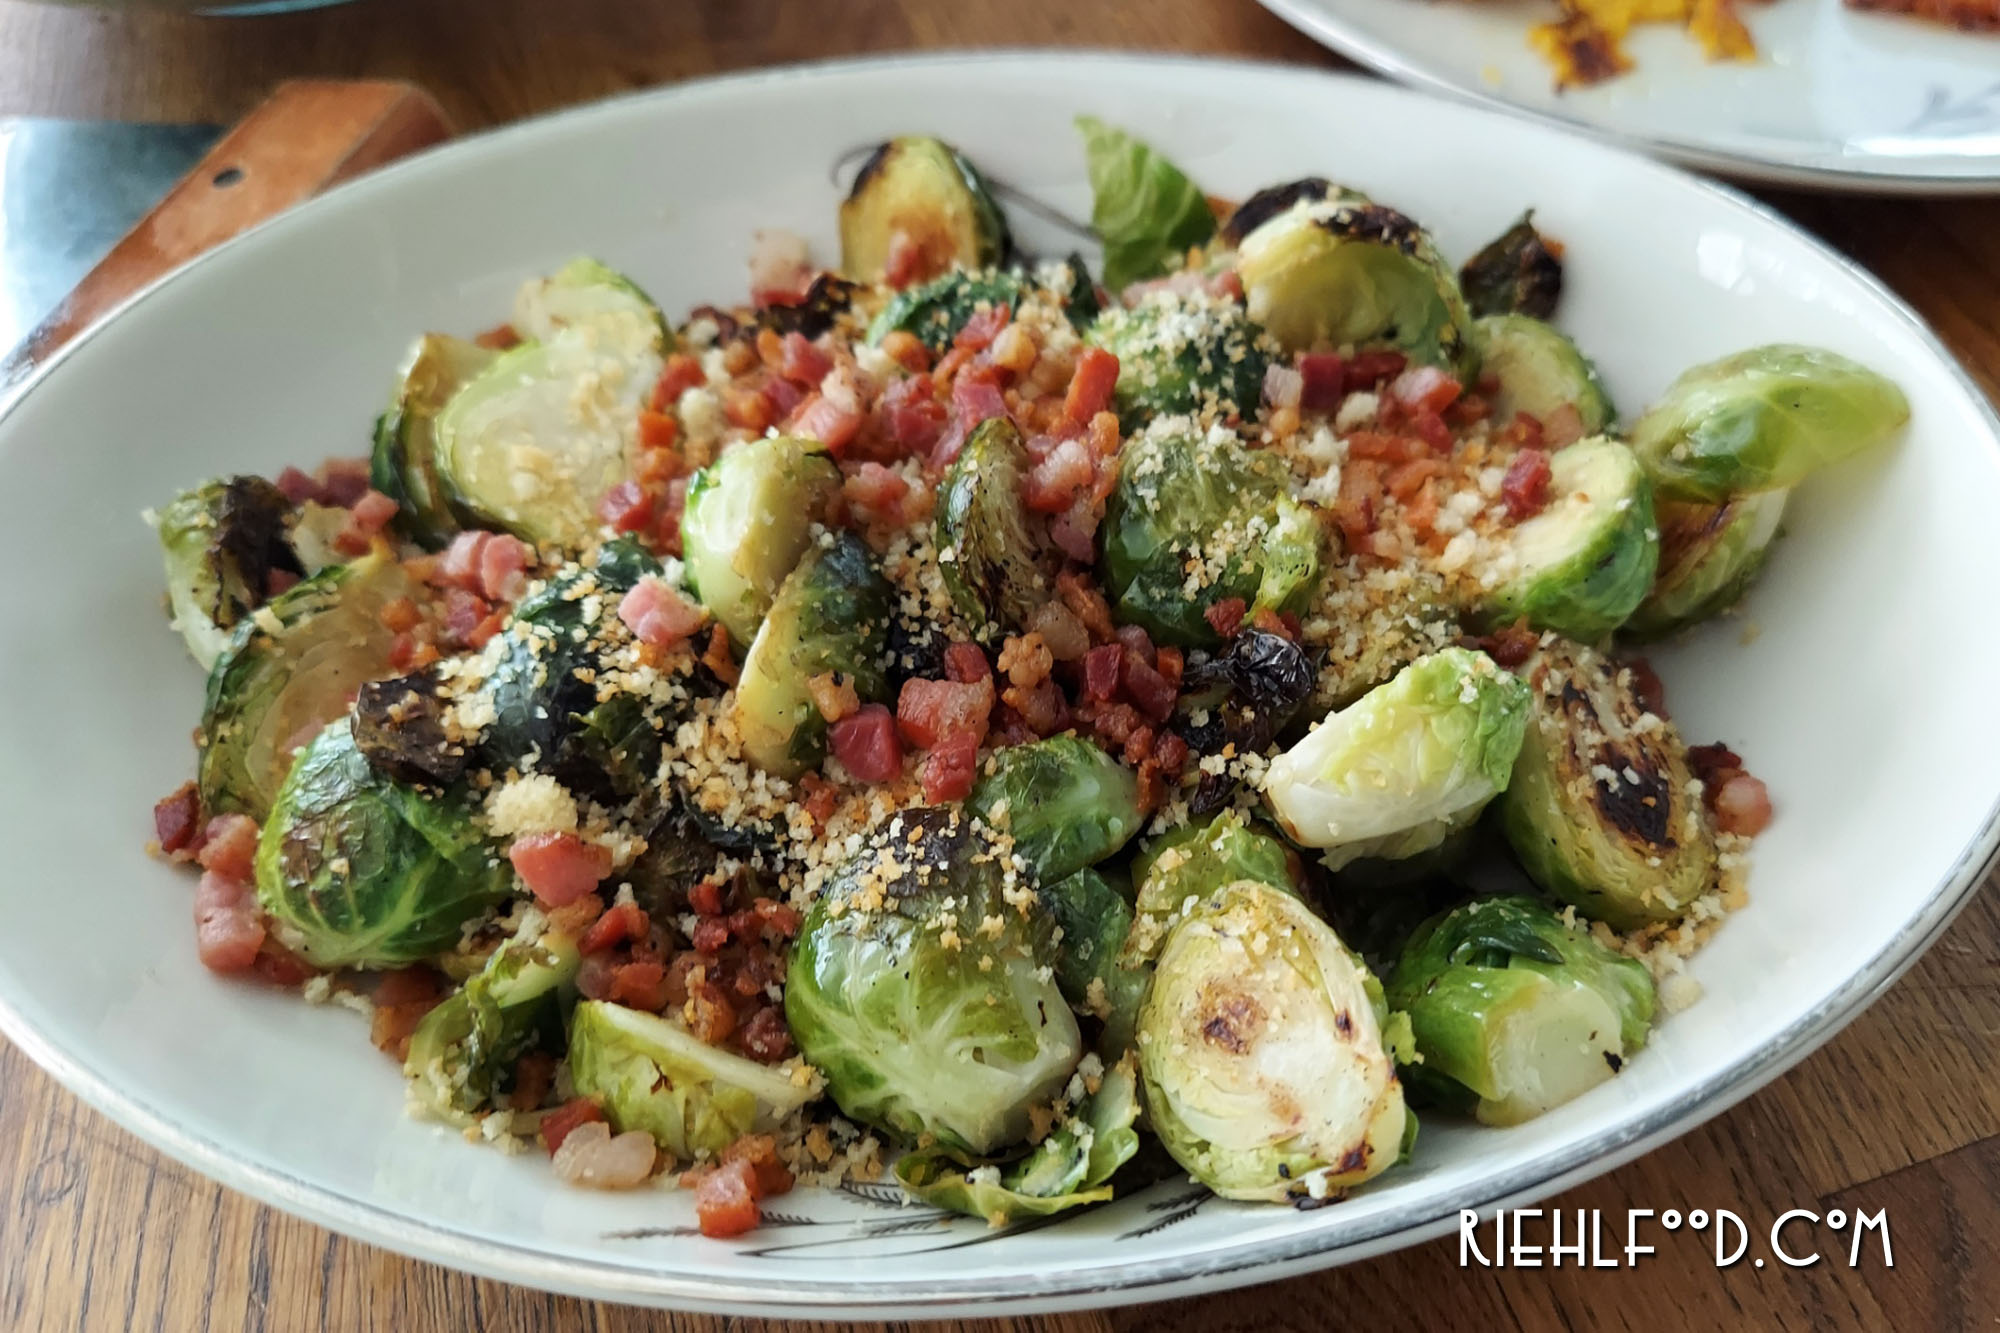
(360, 871)
(1540, 372)
(1272, 200)
(1340, 273)
(404, 464)
(1517, 273)
(1762, 420)
(1709, 554)
(1521, 1011)
(1183, 354)
(1185, 497)
(831, 615)
(1080, 302)
(1600, 811)
(221, 541)
(1409, 763)
(995, 560)
(464, 1050)
(399, 728)
(924, 1020)
(1245, 696)
(749, 517)
(936, 311)
(827, 298)
(1194, 861)
(1073, 1166)
(1145, 211)
(929, 194)
(289, 669)
(1583, 564)
(1065, 803)
(649, 1073)
(1262, 1045)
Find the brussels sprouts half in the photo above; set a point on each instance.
(929, 194)
(1186, 499)
(1762, 420)
(1176, 870)
(995, 560)
(649, 1073)
(749, 517)
(1343, 273)
(585, 293)
(1398, 771)
(1540, 372)
(935, 311)
(535, 440)
(464, 1050)
(922, 987)
(1583, 564)
(221, 540)
(1709, 555)
(404, 463)
(1603, 811)
(831, 614)
(289, 669)
(1261, 1043)
(1065, 802)
(1516, 273)
(1073, 1166)
(1183, 354)
(360, 871)
(1521, 1011)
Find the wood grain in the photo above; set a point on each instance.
(1902, 1111)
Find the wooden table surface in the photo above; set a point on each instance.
(1899, 1112)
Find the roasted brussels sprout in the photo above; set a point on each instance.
(1339, 273)
(1762, 420)
(937, 310)
(1709, 554)
(1583, 564)
(922, 986)
(831, 614)
(649, 1073)
(1516, 273)
(1603, 811)
(749, 517)
(1145, 211)
(1176, 870)
(1517, 1008)
(1066, 804)
(399, 727)
(543, 708)
(1262, 1047)
(1183, 354)
(360, 871)
(1073, 1166)
(289, 669)
(585, 293)
(1186, 499)
(464, 1050)
(1096, 919)
(535, 440)
(996, 562)
(1272, 200)
(1540, 372)
(1406, 765)
(221, 541)
(926, 192)
(404, 463)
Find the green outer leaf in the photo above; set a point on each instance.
(1070, 1168)
(1096, 920)
(465, 1047)
(1068, 803)
(695, 1100)
(1195, 861)
(403, 464)
(1763, 420)
(364, 872)
(1144, 210)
